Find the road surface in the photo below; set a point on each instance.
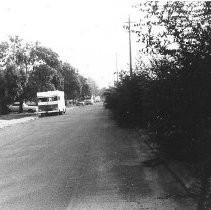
(81, 160)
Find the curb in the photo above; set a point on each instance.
(8, 123)
(24, 118)
(178, 170)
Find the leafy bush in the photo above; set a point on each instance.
(126, 100)
(172, 98)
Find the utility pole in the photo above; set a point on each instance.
(130, 51)
(117, 72)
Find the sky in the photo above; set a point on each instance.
(88, 34)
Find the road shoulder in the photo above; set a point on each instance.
(179, 170)
(16, 118)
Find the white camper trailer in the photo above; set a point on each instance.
(51, 102)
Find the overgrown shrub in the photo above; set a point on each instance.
(126, 100)
(175, 101)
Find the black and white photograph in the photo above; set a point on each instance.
(105, 105)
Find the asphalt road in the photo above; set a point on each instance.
(81, 160)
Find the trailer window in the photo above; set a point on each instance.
(55, 98)
(43, 99)
(46, 99)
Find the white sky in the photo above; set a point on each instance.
(85, 33)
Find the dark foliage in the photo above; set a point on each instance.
(127, 100)
(173, 100)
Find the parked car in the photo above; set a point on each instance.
(69, 102)
(26, 108)
(89, 101)
(32, 105)
(80, 103)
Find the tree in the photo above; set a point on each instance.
(2, 91)
(44, 78)
(93, 86)
(43, 55)
(178, 39)
(72, 84)
(102, 91)
(15, 62)
(45, 71)
(127, 99)
(85, 88)
(173, 28)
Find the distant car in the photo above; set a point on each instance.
(80, 103)
(69, 102)
(89, 101)
(32, 106)
(97, 99)
(26, 108)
